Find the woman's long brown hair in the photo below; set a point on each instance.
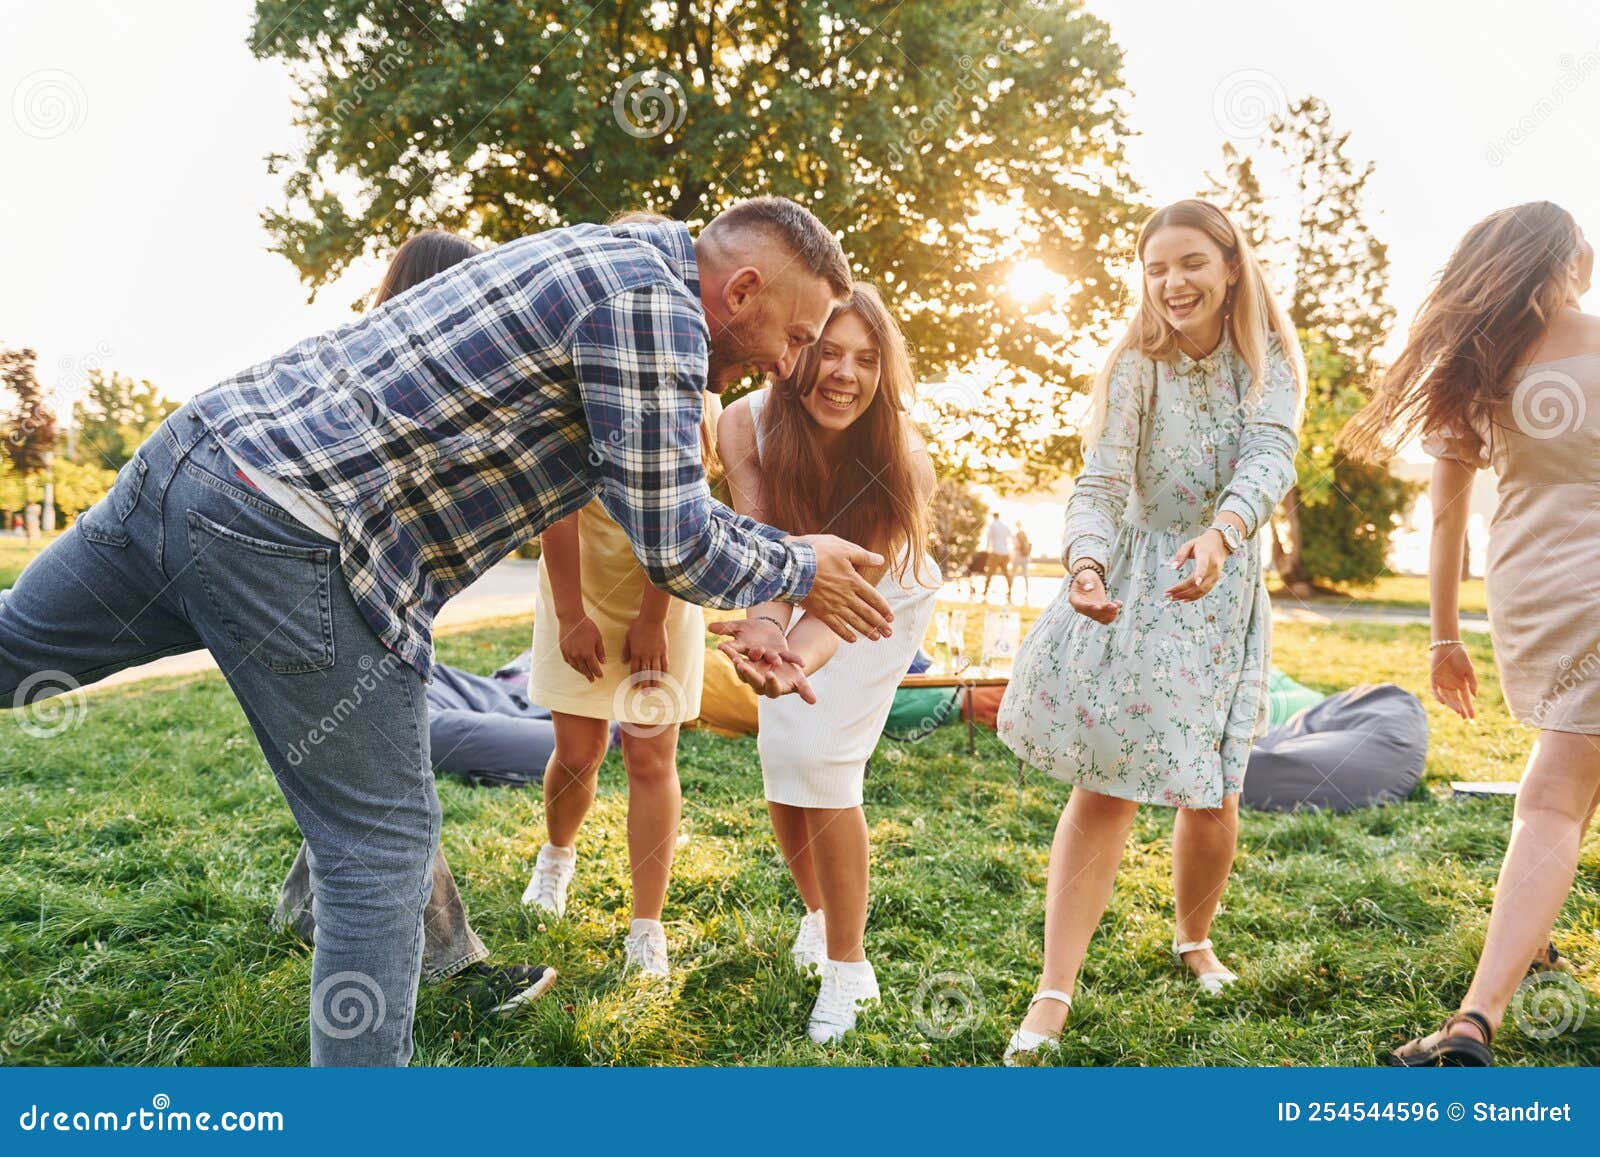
(863, 488)
(422, 256)
(1487, 311)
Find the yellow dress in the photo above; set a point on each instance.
(614, 585)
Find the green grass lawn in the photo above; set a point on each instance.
(16, 552)
(142, 849)
(1398, 591)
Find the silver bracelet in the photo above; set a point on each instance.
(1433, 646)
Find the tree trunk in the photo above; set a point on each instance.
(1287, 553)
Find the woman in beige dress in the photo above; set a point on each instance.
(1502, 369)
(607, 645)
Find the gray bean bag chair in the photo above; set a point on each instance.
(1359, 748)
(484, 729)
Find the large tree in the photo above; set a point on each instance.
(944, 143)
(114, 417)
(31, 426)
(1310, 226)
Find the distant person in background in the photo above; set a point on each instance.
(976, 565)
(997, 542)
(1021, 555)
(451, 950)
(1502, 370)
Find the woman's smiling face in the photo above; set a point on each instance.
(848, 363)
(1186, 278)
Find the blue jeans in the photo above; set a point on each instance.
(181, 555)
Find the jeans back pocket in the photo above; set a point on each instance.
(106, 522)
(273, 598)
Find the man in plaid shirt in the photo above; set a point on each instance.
(305, 520)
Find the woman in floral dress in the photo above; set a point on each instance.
(1145, 680)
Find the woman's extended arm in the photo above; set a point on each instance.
(1450, 493)
(1100, 492)
(1267, 448)
(765, 623)
(581, 644)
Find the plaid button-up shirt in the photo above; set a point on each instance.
(459, 419)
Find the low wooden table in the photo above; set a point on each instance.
(966, 683)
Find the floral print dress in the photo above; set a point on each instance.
(1162, 704)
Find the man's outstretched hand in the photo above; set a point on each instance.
(841, 597)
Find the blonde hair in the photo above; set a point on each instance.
(1251, 315)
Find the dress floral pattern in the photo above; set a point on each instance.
(1162, 705)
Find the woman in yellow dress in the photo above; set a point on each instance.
(607, 645)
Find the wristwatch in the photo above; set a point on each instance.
(1230, 535)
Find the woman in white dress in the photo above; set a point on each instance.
(832, 447)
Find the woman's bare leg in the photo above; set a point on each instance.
(571, 774)
(1083, 867)
(655, 803)
(1203, 843)
(794, 840)
(1554, 805)
(840, 852)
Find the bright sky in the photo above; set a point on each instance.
(134, 138)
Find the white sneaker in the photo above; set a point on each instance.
(810, 949)
(552, 872)
(645, 949)
(846, 986)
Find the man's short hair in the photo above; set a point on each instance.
(794, 227)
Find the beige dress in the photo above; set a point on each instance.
(614, 585)
(1543, 581)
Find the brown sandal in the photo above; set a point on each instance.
(1450, 1049)
(1551, 960)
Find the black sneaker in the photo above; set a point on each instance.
(505, 991)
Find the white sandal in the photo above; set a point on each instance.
(1025, 1043)
(1212, 982)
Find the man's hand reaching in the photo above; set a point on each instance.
(840, 594)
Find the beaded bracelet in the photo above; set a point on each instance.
(1445, 643)
(1084, 564)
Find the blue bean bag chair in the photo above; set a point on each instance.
(1359, 748)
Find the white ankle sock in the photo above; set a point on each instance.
(638, 926)
(558, 852)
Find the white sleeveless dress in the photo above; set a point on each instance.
(815, 755)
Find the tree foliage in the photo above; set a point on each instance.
(955, 525)
(114, 417)
(31, 425)
(942, 142)
(1302, 202)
